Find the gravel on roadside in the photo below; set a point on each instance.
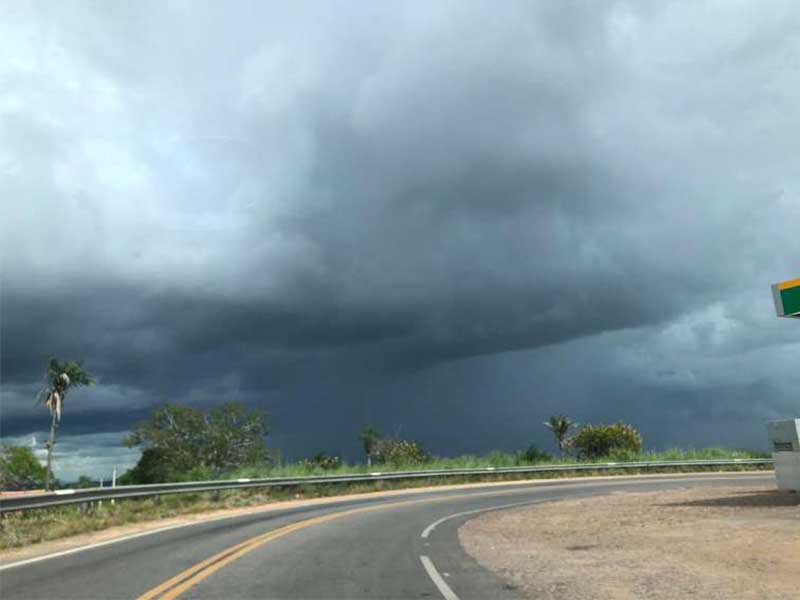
(713, 544)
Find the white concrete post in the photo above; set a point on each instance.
(113, 481)
(785, 439)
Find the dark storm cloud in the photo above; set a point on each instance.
(318, 209)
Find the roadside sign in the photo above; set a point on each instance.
(787, 298)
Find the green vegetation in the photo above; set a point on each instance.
(61, 378)
(369, 438)
(183, 444)
(227, 442)
(594, 441)
(19, 469)
(322, 461)
(400, 453)
(391, 451)
(532, 456)
(560, 426)
(22, 528)
(84, 481)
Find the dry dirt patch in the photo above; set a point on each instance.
(720, 543)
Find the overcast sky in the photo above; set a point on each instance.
(450, 219)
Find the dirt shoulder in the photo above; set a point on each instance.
(719, 543)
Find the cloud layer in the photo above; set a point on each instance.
(435, 217)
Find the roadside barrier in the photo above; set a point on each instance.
(78, 496)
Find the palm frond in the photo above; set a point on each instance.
(41, 395)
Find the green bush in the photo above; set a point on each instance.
(322, 461)
(594, 441)
(400, 452)
(534, 455)
(19, 469)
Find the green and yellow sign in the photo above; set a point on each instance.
(787, 298)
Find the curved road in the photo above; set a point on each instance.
(403, 546)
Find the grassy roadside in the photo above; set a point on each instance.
(22, 529)
(499, 459)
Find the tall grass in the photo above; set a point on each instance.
(494, 459)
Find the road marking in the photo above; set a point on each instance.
(267, 509)
(188, 578)
(521, 486)
(174, 587)
(440, 583)
(427, 531)
(95, 545)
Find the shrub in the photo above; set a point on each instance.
(84, 481)
(19, 469)
(322, 461)
(534, 455)
(594, 441)
(400, 452)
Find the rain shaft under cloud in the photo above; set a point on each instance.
(449, 219)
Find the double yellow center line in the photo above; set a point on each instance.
(187, 579)
(174, 587)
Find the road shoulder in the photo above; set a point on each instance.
(731, 542)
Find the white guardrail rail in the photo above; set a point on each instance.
(77, 496)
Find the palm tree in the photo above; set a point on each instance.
(369, 437)
(60, 378)
(560, 426)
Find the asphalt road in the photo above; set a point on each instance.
(402, 546)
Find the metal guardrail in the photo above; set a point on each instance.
(77, 496)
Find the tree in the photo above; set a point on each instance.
(594, 441)
(153, 467)
(19, 469)
(560, 426)
(61, 378)
(369, 437)
(179, 439)
(84, 481)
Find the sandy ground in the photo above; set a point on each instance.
(709, 544)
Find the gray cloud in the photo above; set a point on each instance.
(351, 213)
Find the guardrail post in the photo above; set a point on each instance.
(113, 481)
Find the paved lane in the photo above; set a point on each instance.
(364, 548)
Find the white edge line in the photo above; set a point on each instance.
(523, 483)
(427, 531)
(132, 536)
(440, 583)
(96, 545)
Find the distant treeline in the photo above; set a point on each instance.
(180, 443)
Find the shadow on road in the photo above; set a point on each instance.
(755, 499)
